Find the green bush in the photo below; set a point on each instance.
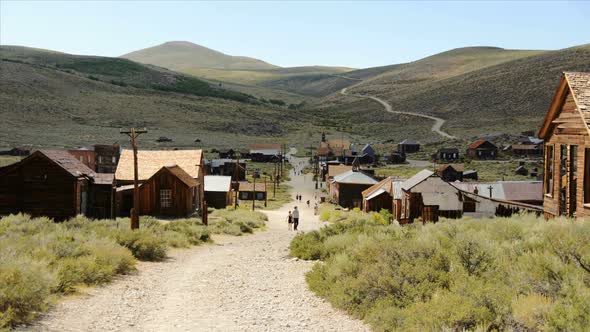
(40, 259)
(25, 289)
(519, 273)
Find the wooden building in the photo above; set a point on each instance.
(55, 184)
(427, 196)
(526, 149)
(446, 154)
(107, 157)
(218, 191)
(170, 192)
(397, 157)
(379, 196)
(17, 152)
(249, 191)
(408, 146)
(227, 154)
(451, 172)
(227, 167)
(266, 153)
(85, 156)
(567, 148)
(346, 188)
(482, 149)
(152, 161)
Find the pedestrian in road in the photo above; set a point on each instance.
(295, 218)
(290, 221)
(315, 209)
(308, 203)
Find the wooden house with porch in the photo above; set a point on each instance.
(55, 184)
(566, 136)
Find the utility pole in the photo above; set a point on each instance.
(134, 213)
(274, 182)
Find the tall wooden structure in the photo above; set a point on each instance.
(566, 135)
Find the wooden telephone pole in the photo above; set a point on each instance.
(133, 134)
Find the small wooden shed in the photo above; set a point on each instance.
(218, 191)
(378, 196)
(408, 146)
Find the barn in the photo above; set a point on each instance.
(55, 184)
(566, 135)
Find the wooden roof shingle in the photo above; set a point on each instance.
(151, 161)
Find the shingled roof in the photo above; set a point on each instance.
(68, 162)
(578, 84)
(149, 162)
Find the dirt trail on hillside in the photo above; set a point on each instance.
(245, 283)
(438, 122)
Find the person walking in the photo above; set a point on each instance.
(295, 218)
(290, 221)
(308, 203)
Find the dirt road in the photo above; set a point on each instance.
(436, 127)
(243, 283)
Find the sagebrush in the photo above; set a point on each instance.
(521, 273)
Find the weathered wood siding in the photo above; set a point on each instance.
(568, 129)
(183, 197)
(40, 188)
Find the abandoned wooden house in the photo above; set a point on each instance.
(170, 192)
(521, 170)
(107, 157)
(335, 149)
(408, 146)
(227, 167)
(426, 196)
(218, 191)
(346, 188)
(482, 149)
(86, 156)
(266, 153)
(249, 191)
(446, 154)
(526, 149)
(451, 172)
(336, 169)
(566, 135)
(379, 196)
(55, 184)
(149, 163)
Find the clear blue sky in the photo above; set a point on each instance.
(353, 34)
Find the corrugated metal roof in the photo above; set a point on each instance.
(384, 184)
(416, 179)
(217, 183)
(376, 193)
(352, 177)
(506, 190)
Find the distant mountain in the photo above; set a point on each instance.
(182, 55)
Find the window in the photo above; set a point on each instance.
(100, 159)
(114, 159)
(244, 195)
(549, 170)
(260, 196)
(165, 198)
(82, 158)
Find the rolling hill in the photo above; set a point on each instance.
(56, 100)
(496, 93)
(179, 55)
